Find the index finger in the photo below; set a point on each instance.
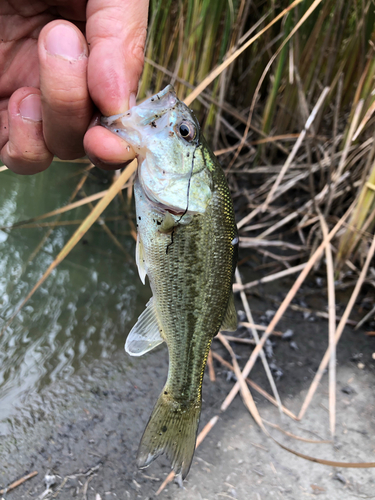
(116, 33)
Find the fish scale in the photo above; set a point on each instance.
(187, 245)
(199, 259)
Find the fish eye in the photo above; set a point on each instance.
(187, 131)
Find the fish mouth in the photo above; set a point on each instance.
(130, 125)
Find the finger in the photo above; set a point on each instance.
(106, 150)
(25, 152)
(66, 104)
(116, 32)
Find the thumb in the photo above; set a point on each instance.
(116, 33)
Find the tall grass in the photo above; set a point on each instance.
(333, 48)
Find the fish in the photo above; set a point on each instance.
(187, 245)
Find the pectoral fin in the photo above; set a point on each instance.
(229, 323)
(145, 334)
(168, 223)
(140, 259)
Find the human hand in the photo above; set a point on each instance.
(52, 76)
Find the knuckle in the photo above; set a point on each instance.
(137, 46)
(30, 156)
(32, 153)
(68, 102)
(28, 162)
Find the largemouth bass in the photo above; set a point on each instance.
(187, 246)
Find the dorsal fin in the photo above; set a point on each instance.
(146, 333)
(229, 323)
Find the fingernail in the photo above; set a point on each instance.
(107, 165)
(64, 41)
(31, 108)
(95, 120)
(132, 99)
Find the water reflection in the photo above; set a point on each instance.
(85, 308)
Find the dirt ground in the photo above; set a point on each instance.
(82, 434)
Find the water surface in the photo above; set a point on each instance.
(85, 308)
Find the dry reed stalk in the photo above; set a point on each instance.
(66, 208)
(74, 222)
(257, 242)
(109, 233)
(296, 146)
(271, 277)
(339, 330)
(364, 121)
(245, 392)
(258, 327)
(211, 369)
(239, 340)
(331, 328)
(256, 387)
(284, 188)
(348, 141)
(254, 332)
(319, 314)
(365, 318)
(298, 438)
(307, 206)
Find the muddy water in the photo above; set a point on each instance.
(85, 309)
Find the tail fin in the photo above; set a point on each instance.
(172, 429)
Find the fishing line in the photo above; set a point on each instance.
(187, 200)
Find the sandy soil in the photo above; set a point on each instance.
(85, 431)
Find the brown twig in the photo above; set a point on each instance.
(211, 369)
(256, 387)
(254, 332)
(271, 277)
(18, 482)
(331, 328)
(259, 327)
(296, 146)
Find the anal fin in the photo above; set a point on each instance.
(229, 323)
(145, 334)
(168, 223)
